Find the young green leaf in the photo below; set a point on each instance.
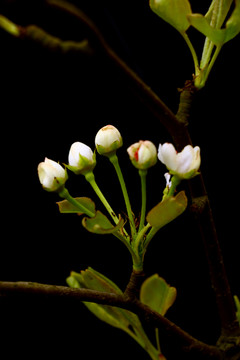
(233, 23)
(213, 31)
(94, 280)
(67, 208)
(91, 279)
(157, 294)
(201, 24)
(237, 303)
(173, 12)
(119, 318)
(101, 225)
(167, 210)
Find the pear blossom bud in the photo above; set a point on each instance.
(81, 158)
(108, 140)
(52, 176)
(185, 164)
(143, 154)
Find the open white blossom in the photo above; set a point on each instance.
(184, 164)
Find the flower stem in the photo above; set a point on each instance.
(63, 193)
(114, 160)
(193, 52)
(149, 237)
(143, 175)
(174, 183)
(91, 179)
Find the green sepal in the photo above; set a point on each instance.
(84, 166)
(66, 207)
(173, 12)
(167, 210)
(100, 224)
(157, 294)
(111, 149)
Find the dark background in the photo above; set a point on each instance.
(48, 101)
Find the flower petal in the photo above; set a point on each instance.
(168, 156)
(185, 160)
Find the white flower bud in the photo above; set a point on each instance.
(81, 158)
(185, 164)
(108, 140)
(143, 154)
(52, 176)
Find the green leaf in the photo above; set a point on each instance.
(9, 26)
(173, 12)
(157, 294)
(233, 23)
(167, 210)
(94, 280)
(67, 208)
(119, 318)
(100, 224)
(201, 24)
(237, 303)
(214, 33)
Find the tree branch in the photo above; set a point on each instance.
(186, 341)
(203, 214)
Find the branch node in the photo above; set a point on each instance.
(186, 98)
(133, 288)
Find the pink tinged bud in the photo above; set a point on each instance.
(51, 175)
(108, 140)
(143, 154)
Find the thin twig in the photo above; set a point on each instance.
(151, 100)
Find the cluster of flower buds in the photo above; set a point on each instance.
(81, 159)
(143, 154)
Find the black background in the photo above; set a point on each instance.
(48, 101)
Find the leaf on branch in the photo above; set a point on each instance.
(173, 11)
(66, 207)
(100, 224)
(92, 279)
(167, 210)
(237, 303)
(119, 318)
(201, 24)
(157, 294)
(217, 35)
